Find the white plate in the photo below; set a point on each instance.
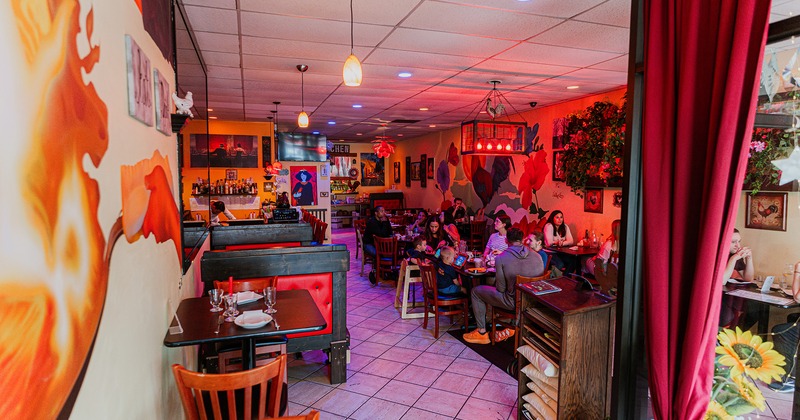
(247, 297)
(252, 319)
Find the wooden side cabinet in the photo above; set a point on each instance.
(574, 330)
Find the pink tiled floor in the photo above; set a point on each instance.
(397, 369)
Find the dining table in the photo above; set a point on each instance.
(296, 313)
(574, 250)
(751, 293)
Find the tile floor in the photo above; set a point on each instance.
(397, 369)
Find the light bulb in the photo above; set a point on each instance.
(489, 146)
(351, 73)
(302, 120)
(479, 146)
(508, 147)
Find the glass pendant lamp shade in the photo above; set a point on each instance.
(351, 73)
(302, 120)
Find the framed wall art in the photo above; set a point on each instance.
(408, 171)
(231, 174)
(415, 171)
(593, 200)
(372, 170)
(223, 150)
(558, 169)
(397, 172)
(304, 185)
(766, 210)
(429, 171)
(423, 169)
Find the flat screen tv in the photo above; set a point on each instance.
(302, 147)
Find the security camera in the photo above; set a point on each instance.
(533, 104)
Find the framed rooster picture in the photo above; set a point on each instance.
(593, 200)
(766, 210)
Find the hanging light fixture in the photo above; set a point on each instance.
(383, 146)
(302, 119)
(493, 137)
(351, 73)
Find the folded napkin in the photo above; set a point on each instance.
(574, 248)
(251, 317)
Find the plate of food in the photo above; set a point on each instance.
(476, 270)
(252, 319)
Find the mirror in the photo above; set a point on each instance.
(191, 76)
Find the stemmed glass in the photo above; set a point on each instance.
(269, 299)
(231, 301)
(216, 299)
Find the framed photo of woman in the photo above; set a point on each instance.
(304, 185)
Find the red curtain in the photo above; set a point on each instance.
(702, 66)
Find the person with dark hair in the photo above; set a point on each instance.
(303, 191)
(535, 241)
(557, 234)
(377, 225)
(516, 260)
(497, 241)
(434, 234)
(218, 207)
(419, 224)
(456, 214)
(417, 253)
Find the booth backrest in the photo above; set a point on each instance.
(261, 246)
(261, 236)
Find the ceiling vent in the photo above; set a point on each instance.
(405, 121)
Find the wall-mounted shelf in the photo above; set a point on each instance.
(213, 194)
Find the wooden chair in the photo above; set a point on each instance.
(319, 231)
(359, 225)
(385, 256)
(312, 415)
(440, 305)
(365, 258)
(196, 389)
(607, 279)
(229, 354)
(507, 318)
(477, 234)
(397, 220)
(406, 285)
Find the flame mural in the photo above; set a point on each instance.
(54, 253)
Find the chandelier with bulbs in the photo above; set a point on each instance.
(491, 136)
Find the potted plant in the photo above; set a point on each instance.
(766, 145)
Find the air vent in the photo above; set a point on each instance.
(405, 121)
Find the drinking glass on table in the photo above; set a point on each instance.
(269, 299)
(216, 299)
(788, 272)
(231, 303)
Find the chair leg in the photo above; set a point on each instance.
(363, 261)
(436, 325)
(401, 281)
(425, 319)
(494, 325)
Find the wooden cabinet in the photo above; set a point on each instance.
(573, 330)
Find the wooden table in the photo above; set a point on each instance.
(752, 293)
(475, 278)
(579, 252)
(297, 313)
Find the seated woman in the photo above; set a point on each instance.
(556, 233)
(785, 339)
(497, 241)
(419, 224)
(434, 235)
(733, 311)
(609, 249)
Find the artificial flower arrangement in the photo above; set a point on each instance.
(741, 358)
(767, 144)
(595, 145)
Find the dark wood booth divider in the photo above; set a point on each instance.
(261, 236)
(322, 270)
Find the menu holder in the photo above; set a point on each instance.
(174, 329)
(542, 287)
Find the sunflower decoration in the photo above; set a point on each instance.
(741, 358)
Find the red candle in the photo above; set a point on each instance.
(230, 285)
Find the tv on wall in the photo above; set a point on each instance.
(302, 147)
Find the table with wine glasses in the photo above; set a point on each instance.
(296, 313)
(751, 292)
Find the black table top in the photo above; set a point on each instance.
(568, 249)
(297, 313)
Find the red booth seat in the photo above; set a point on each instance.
(321, 288)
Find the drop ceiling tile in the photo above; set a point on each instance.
(412, 60)
(191, 70)
(183, 41)
(522, 68)
(592, 76)
(376, 12)
(225, 59)
(617, 64)
(478, 21)
(417, 75)
(301, 50)
(478, 79)
(311, 79)
(560, 56)
(612, 12)
(445, 43)
(260, 62)
(557, 8)
(223, 4)
(208, 41)
(225, 72)
(221, 21)
(316, 30)
(214, 83)
(589, 36)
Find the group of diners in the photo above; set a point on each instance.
(508, 249)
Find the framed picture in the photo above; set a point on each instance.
(397, 172)
(423, 168)
(766, 210)
(408, 171)
(560, 135)
(163, 103)
(415, 171)
(372, 170)
(231, 174)
(593, 200)
(140, 83)
(558, 169)
(304, 185)
(266, 150)
(325, 170)
(429, 172)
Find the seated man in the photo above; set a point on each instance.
(517, 259)
(377, 225)
(218, 207)
(786, 337)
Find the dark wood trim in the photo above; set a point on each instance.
(222, 236)
(783, 29)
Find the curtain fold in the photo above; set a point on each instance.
(702, 64)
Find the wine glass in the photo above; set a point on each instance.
(269, 299)
(216, 299)
(231, 301)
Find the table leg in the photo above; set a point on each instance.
(763, 318)
(248, 353)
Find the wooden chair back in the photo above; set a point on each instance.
(360, 225)
(319, 231)
(436, 306)
(197, 388)
(428, 274)
(385, 255)
(397, 220)
(244, 285)
(477, 234)
(607, 279)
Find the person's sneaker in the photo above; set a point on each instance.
(476, 337)
(372, 278)
(783, 387)
(503, 335)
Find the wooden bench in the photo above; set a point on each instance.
(261, 236)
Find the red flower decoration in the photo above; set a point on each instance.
(383, 148)
(452, 155)
(533, 177)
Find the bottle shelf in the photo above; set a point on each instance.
(214, 194)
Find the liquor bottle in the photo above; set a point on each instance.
(594, 240)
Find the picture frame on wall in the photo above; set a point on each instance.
(231, 174)
(423, 169)
(593, 200)
(397, 172)
(408, 171)
(766, 210)
(429, 171)
(558, 169)
(415, 171)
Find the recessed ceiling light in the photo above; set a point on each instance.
(404, 74)
(482, 112)
(210, 110)
(359, 134)
(432, 126)
(356, 105)
(423, 108)
(341, 140)
(315, 132)
(212, 118)
(573, 87)
(331, 122)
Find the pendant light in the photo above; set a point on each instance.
(351, 73)
(302, 119)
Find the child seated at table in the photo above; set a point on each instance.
(447, 280)
(417, 253)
